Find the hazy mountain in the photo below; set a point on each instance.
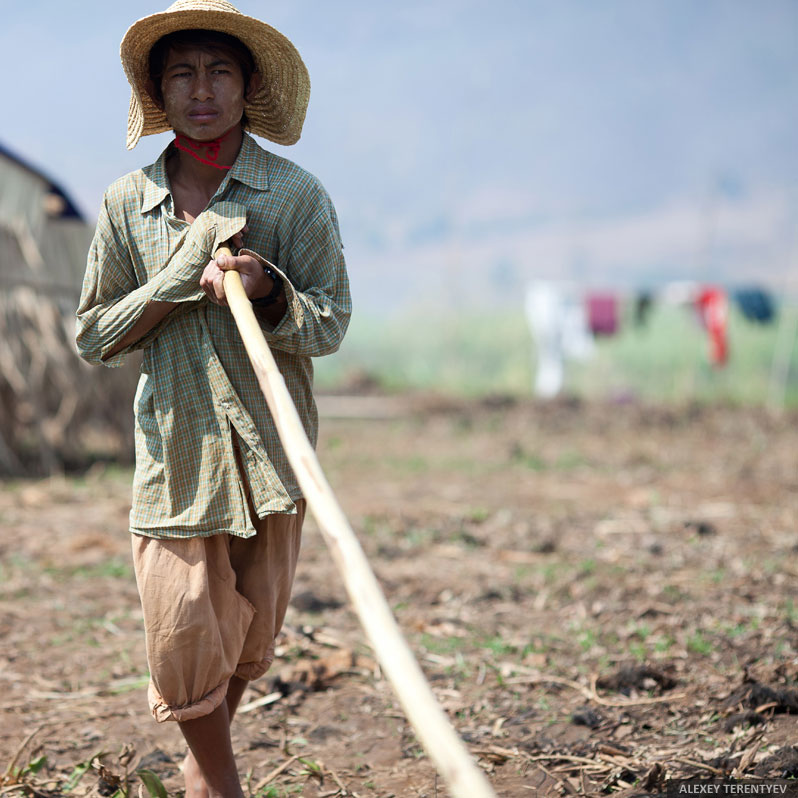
(471, 145)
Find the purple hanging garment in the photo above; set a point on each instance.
(602, 314)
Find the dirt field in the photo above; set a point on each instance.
(603, 597)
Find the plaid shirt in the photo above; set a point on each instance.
(196, 382)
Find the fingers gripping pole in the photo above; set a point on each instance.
(454, 763)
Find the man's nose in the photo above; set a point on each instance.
(202, 89)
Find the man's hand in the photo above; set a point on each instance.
(256, 282)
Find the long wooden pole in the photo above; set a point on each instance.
(454, 763)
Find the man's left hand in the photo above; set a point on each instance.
(256, 282)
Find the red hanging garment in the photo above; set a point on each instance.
(713, 309)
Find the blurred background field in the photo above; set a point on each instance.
(480, 353)
(471, 149)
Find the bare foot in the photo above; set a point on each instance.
(195, 783)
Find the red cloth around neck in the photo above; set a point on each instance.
(212, 147)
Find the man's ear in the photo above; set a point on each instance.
(150, 87)
(255, 79)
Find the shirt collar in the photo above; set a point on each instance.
(250, 168)
(156, 189)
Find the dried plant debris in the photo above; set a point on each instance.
(743, 719)
(576, 635)
(587, 716)
(640, 678)
(761, 697)
(308, 601)
(701, 528)
(783, 764)
(318, 674)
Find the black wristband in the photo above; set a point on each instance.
(274, 294)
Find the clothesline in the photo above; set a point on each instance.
(565, 319)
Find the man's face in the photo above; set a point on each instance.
(203, 93)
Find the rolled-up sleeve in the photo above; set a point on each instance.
(111, 298)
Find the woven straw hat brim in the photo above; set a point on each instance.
(276, 111)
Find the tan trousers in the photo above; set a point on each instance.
(213, 607)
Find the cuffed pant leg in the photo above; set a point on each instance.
(196, 622)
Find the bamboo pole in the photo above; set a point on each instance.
(447, 751)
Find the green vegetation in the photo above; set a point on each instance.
(113, 568)
(638, 651)
(17, 774)
(444, 645)
(698, 644)
(491, 352)
(153, 784)
(278, 791)
(499, 647)
(26, 780)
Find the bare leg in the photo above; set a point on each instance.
(235, 690)
(196, 786)
(195, 783)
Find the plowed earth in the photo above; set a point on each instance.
(603, 598)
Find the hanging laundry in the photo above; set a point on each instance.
(679, 292)
(756, 304)
(577, 343)
(558, 325)
(713, 309)
(602, 313)
(643, 302)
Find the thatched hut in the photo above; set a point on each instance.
(55, 410)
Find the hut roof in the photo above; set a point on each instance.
(62, 206)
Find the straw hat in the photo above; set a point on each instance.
(275, 112)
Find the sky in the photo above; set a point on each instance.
(471, 146)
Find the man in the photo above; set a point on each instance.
(217, 514)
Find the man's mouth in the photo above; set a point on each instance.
(203, 114)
